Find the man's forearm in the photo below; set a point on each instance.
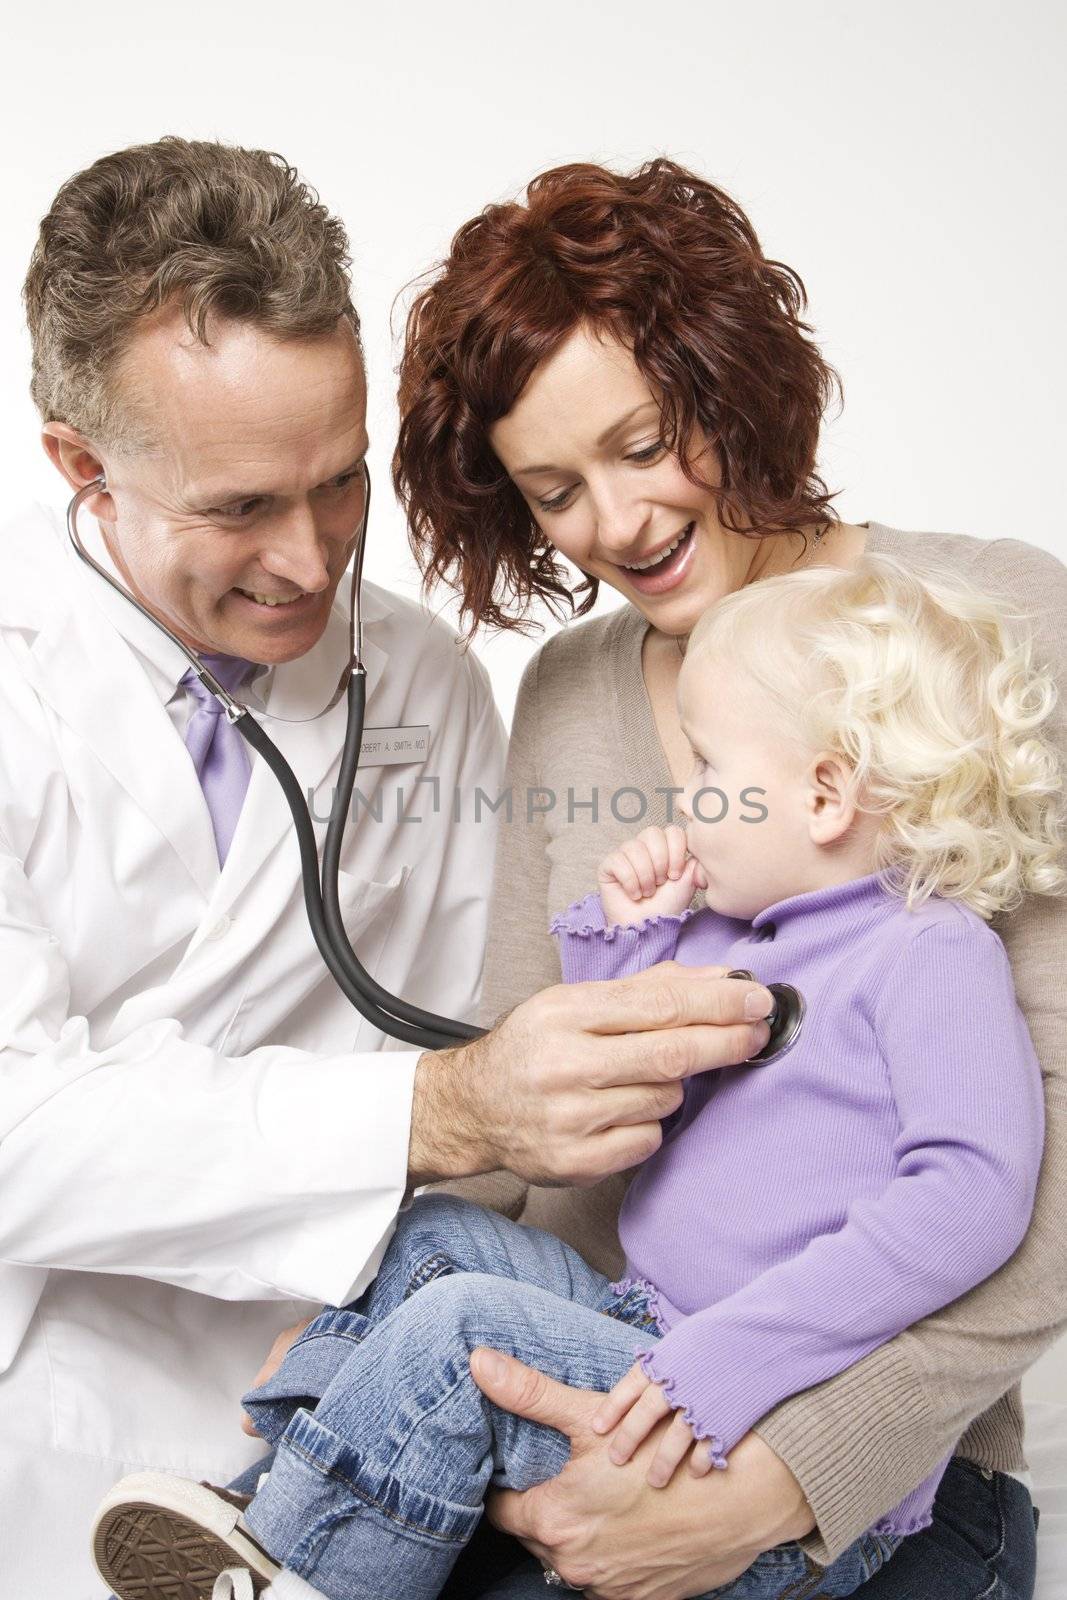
(445, 1140)
(560, 1090)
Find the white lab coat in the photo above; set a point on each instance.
(200, 1140)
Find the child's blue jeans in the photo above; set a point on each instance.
(386, 1446)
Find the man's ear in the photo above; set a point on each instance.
(79, 462)
(830, 798)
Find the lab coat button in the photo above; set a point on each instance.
(768, 931)
(221, 928)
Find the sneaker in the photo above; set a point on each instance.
(158, 1537)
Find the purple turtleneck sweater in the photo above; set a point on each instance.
(800, 1214)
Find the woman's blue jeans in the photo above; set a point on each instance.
(385, 1446)
(981, 1545)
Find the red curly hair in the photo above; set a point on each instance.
(667, 264)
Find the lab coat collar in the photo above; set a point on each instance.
(163, 663)
(107, 673)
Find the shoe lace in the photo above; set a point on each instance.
(235, 1583)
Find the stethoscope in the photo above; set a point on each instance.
(387, 1012)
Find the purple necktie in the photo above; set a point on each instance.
(217, 749)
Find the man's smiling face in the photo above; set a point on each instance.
(234, 526)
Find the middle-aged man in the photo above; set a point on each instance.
(198, 1135)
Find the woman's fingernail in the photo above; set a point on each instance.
(493, 1367)
(758, 1003)
(760, 1034)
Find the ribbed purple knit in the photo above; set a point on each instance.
(802, 1213)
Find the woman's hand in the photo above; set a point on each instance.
(602, 1527)
(278, 1352)
(631, 1411)
(650, 876)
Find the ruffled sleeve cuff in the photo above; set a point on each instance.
(590, 950)
(694, 1418)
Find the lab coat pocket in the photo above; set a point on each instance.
(291, 998)
(144, 1374)
(369, 910)
(363, 901)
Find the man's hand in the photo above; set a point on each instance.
(573, 1083)
(601, 1526)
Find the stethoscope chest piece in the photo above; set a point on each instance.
(785, 1021)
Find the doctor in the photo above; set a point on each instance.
(200, 1140)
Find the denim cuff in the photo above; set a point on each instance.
(309, 1366)
(318, 1481)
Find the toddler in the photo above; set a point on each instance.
(869, 789)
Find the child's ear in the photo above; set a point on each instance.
(830, 798)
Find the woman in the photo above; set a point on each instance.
(614, 373)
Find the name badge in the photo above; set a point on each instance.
(393, 747)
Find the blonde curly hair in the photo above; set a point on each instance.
(927, 687)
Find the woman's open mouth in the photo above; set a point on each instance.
(667, 568)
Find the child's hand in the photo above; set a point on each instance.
(278, 1352)
(650, 876)
(633, 1408)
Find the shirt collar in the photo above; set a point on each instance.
(825, 910)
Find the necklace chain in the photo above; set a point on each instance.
(820, 530)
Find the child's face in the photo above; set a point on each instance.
(750, 799)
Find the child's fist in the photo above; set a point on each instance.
(650, 876)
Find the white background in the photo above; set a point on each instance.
(906, 159)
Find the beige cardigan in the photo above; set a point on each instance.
(858, 1442)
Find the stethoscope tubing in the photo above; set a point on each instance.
(396, 1017)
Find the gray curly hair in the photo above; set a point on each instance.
(213, 228)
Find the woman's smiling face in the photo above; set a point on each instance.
(583, 445)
